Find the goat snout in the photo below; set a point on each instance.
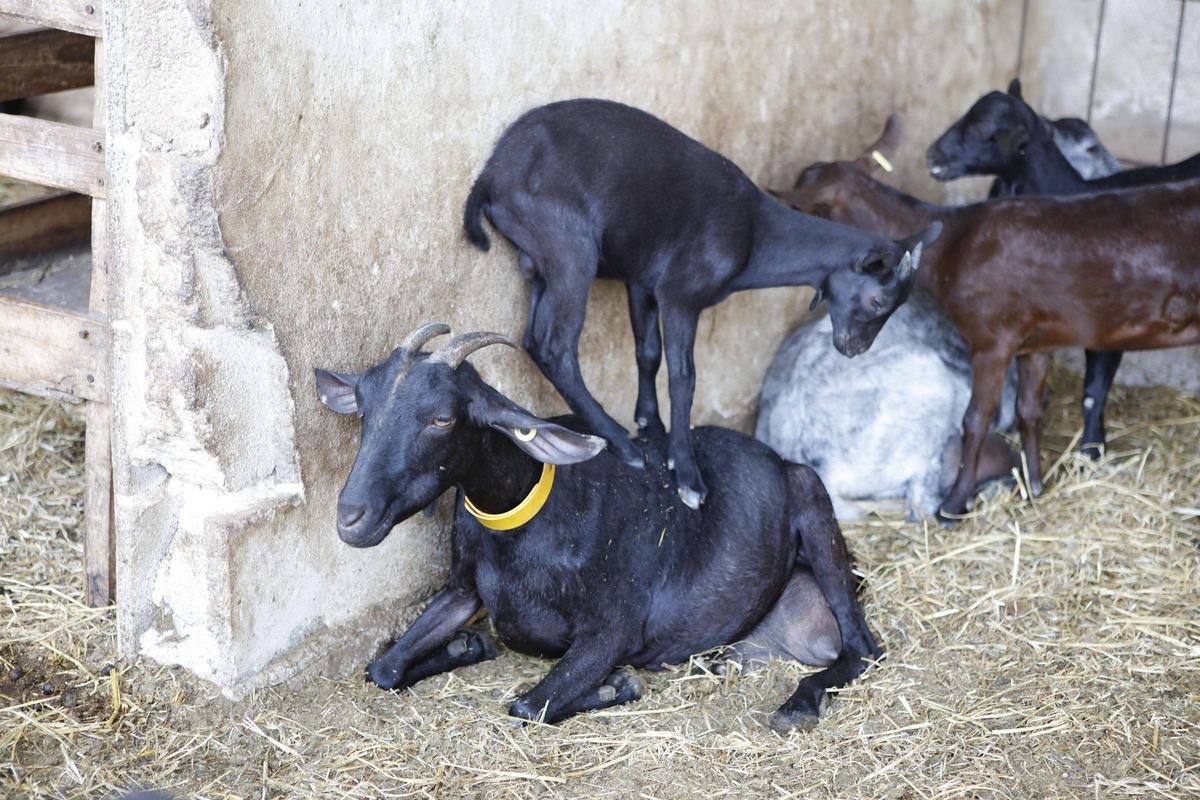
(936, 163)
(848, 346)
(349, 515)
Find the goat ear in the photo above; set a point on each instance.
(552, 444)
(879, 153)
(336, 390)
(1014, 88)
(925, 237)
(545, 441)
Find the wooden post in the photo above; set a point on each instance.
(98, 536)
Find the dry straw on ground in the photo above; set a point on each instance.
(1037, 650)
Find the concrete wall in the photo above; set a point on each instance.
(288, 181)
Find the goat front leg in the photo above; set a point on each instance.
(1031, 377)
(575, 682)
(553, 342)
(643, 315)
(987, 383)
(448, 611)
(679, 332)
(1098, 376)
(817, 532)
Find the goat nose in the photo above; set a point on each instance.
(348, 515)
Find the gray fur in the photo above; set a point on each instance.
(887, 425)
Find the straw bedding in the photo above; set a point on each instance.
(1039, 649)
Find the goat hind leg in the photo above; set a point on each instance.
(679, 333)
(825, 550)
(643, 316)
(1100, 369)
(552, 340)
(1031, 374)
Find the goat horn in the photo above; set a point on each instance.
(417, 339)
(455, 351)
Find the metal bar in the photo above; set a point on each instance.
(1095, 62)
(1174, 77)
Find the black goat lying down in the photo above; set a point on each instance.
(590, 189)
(597, 563)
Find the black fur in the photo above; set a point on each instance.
(614, 570)
(590, 189)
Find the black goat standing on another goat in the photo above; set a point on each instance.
(1001, 135)
(590, 189)
(603, 568)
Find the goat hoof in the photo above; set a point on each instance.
(522, 709)
(1092, 451)
(625, 687)
(650, 425)
(799, 716)
(787, 721)
(691, 498)
(947, 522)
(950, 510)
(383, 676)
(458, 645)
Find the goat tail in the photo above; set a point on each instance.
(477, 201)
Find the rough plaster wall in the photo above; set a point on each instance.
(1137, 47)
(341, 151)
(204, 440)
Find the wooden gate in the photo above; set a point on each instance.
(46, 349)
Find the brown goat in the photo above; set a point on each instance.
(1025, 276)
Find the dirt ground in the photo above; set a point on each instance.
(1045, 649)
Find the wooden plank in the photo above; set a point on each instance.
(45, 223)
(80, 16)
(98, 555)
(99, 543)
(40, 62)
(51, 352)
(52, 154)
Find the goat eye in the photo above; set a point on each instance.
(443, 422)
(877, 303)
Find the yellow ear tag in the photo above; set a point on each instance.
(524, 511)
(526, 434)
(882, 161)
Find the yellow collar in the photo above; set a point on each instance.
(524, 511)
